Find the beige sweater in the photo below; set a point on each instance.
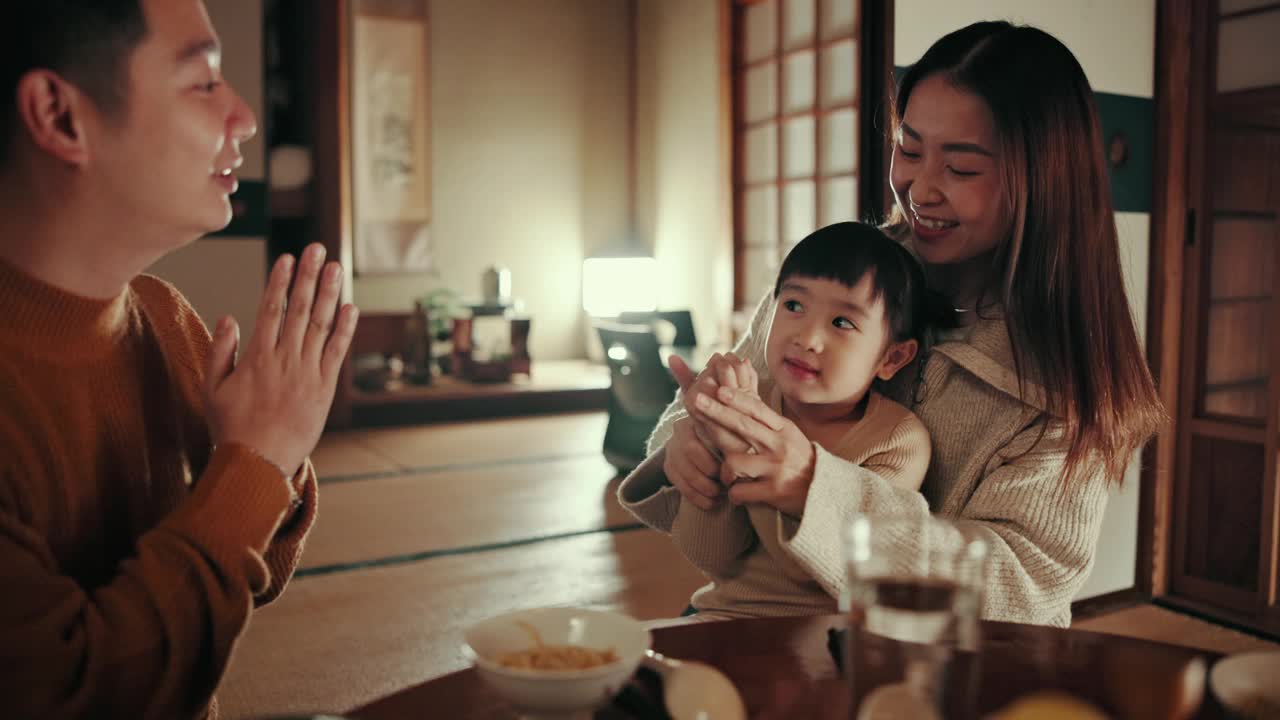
(747, 550)
(988, 475)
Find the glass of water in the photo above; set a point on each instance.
(915, 586)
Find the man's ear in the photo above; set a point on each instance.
(896, 357)
(52, 112)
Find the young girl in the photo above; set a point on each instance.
(1036, 404)
(850, 308)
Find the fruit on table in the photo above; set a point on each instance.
(1049, 705)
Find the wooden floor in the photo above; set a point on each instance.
(1163, 625)
(423, 531)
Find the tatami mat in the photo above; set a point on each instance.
(363, 520)
(342, 455)
(338, 641)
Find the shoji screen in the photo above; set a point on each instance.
(797, 99)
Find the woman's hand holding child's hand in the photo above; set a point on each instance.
(733, 439)
(691, 468)
(693, 454)
(726, 370)
(777, 468)
(735, 373)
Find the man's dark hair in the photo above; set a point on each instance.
(88, 42)
(845, 252)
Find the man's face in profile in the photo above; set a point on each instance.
(166, 160)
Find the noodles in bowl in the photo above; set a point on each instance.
(554, 657)
(557, 660)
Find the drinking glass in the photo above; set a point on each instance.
(915, 587)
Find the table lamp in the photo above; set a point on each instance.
(614, 285)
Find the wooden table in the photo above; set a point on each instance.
(784, 670)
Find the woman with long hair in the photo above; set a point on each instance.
(1039, 398)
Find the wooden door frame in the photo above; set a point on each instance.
(331, 180)
(1185, 48)
(878, 90)
(1167, 263)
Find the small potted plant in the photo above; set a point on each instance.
(442, 305)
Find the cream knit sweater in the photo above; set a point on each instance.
(746, 550)
(989, 475)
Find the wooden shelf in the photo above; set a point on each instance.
(551, 387)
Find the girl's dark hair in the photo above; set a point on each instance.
(1057, 274)
(88, 42)
(846, 252)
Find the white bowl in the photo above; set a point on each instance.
(1248, 684)
(557, 691)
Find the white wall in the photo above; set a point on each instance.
(1115, 44)
(683, 180)
(1113, 40)
(528, 154)
(225, 275)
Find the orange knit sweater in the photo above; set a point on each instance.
(131, 550)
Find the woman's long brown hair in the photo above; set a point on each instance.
(1058, 272)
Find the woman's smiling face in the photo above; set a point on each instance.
(947, 175)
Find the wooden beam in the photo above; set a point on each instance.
(332, 180)
(876, 92)
(1169, 226)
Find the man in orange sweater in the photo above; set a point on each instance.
(153, 490)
